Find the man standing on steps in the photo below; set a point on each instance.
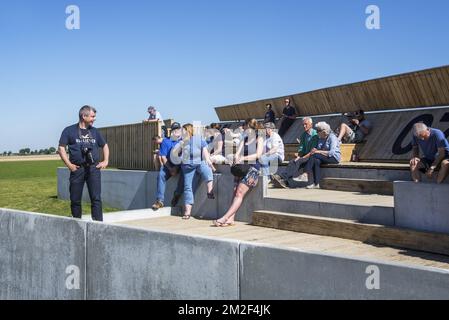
(84, 143)
(168, 169)
(435, 148)
(288, 117)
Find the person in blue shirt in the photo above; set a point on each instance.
(169, 168)
(84, 143)
(435, 149)
(327, 151)
(195, 160)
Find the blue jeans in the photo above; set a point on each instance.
(314, 165)
(163, 176)
(189, 171)
(269, 161)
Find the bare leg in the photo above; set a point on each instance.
(240, 193)
(344, 131)
(444, 171)
(210, 187)
(414, 169)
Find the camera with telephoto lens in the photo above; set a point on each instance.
(87, 154)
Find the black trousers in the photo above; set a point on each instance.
(92, 176)
(285, 125)
(293, 168)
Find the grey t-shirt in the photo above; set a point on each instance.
(360, 135)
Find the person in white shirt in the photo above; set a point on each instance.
(155, 116)
(273, 150)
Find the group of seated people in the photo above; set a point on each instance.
(256, 149)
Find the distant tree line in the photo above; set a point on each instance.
(28, 151)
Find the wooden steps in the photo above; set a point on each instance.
(347, 229)
(358, 185)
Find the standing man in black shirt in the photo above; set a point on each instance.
(269, 115)
(84, 143)
(288, 117)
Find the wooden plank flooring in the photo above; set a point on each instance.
(293, 240)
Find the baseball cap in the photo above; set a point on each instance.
(175, 126)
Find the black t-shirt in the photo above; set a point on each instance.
(289, 111)
(270, 116)
(76, 139)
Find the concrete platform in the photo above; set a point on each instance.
(292, 240)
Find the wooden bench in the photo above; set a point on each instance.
(290, 149)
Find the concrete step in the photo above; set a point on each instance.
(347, 229)
(364, 208)
(372, 186)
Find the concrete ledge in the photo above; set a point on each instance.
(35, 251)
(422, 206)
(275, 273)
(128, 263)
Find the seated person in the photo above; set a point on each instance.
(169, 169)
(274, 150)
(308, 141)
(435, 149)
(157, 140)
(327, 151)
(215, 140)
(270, 116)
(359, 127)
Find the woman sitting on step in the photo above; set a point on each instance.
(249, 152)
(327, 151)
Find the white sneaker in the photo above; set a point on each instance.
(313, 186)
(301, 178)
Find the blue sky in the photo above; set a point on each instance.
(186, 57)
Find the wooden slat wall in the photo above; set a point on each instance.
(131, 146)
(425, 88)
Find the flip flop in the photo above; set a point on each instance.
(186, 217)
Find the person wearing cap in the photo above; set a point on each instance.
(169, 169)
(273, 148)
(270, 116)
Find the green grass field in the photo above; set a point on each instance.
(32, 186)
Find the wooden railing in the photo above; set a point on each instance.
(131, 146)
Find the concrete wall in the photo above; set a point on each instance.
(138, 264)
(119, 262)
(35, 251)
(274, 273)
(131, 190)
(422, 206)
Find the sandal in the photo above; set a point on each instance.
(223, 224)
(186, 217)
(211, 196)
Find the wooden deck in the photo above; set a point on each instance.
(292, 240)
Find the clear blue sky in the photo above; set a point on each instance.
(188, 56)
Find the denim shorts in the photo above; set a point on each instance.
(251, 179)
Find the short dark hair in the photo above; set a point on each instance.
(269, 105)
(85, 111)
